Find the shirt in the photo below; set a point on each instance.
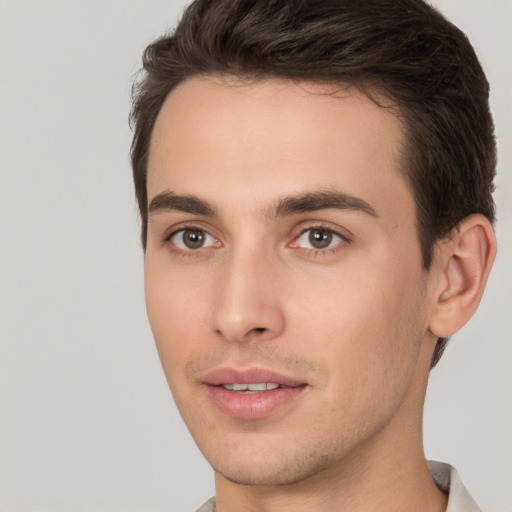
(445, 477)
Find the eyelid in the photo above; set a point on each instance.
(342, 232)
(327, 227)
(180, 226)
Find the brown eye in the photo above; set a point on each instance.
(192, 239)
(320, 238)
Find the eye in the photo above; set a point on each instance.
(192, 239)
(318, 238)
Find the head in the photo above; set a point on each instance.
(277, 95)
(402, 51)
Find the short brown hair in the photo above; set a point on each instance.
(404, 50)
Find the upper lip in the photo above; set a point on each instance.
(221, 376)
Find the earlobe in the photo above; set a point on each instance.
(463, 266)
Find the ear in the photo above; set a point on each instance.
(461, 267)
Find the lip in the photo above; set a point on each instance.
(251, 405)
(249, 376)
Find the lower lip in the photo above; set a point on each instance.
(250, 406)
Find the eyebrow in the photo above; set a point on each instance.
(169, 201)
(322, 200)
(303, 203)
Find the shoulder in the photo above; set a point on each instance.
(209, 506)
(448, 480)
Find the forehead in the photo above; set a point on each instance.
(248, 140)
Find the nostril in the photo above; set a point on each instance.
(260, 329)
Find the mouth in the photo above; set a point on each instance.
(251, 388)
(253, 393)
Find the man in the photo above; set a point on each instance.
(314, 180)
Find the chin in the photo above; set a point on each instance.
(271, 471)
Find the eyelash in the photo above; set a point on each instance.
(309, 251)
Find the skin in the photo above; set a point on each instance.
(353, 320)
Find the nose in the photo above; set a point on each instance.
(248, 304)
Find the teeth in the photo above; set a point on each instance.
(263, 386)
(258, 387)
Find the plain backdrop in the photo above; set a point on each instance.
(86, 420)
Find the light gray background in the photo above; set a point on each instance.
(86, 420)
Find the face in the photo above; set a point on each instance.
(284, 283)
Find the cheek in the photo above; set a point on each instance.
(364, 327)
(173, 307)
